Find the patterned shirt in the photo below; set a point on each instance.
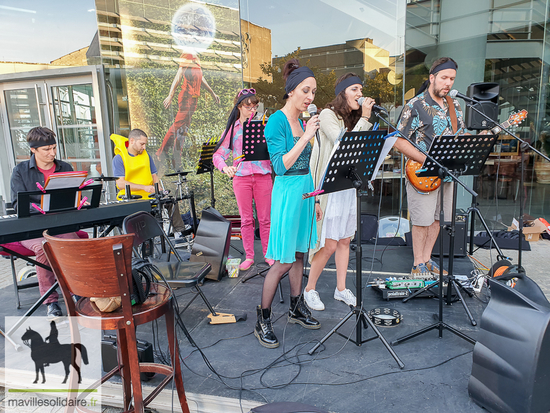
(243, 168)
(423, 119)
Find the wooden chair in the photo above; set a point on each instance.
(102, 267)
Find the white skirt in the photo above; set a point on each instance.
(340, 217)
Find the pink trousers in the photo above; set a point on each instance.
(45, 278)
(255, 187)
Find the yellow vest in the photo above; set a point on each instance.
(137, 169)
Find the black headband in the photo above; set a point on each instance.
(40, 143)
(449, 64)
(296, 77)
(344, 84)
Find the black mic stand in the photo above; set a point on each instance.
(442, 172)
(356, 150)
(522, 145)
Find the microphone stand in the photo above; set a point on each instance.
(440, 325)
(522, 145)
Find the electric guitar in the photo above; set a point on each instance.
(428, 184)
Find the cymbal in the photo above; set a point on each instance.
(105, 178)
(182, 173)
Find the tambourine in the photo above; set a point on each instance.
(385, 317)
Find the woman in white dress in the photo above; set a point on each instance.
(339, 221)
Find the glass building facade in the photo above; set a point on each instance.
(90, 69)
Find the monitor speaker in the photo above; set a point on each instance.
(461, 231)
(211, 244)
(487, 96)
(511, 359)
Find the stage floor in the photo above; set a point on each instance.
(342, 377)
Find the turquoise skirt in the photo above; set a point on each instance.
(293, 226)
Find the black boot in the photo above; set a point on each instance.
(264, 330)
(300, 313)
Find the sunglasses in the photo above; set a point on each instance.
(250, 107)
(247, 92)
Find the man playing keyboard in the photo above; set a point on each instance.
(25, 177)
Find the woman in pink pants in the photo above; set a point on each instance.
(251, 180)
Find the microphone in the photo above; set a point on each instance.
(375, 108)
(312, 110)
(456, 94)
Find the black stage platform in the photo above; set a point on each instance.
(342, 377)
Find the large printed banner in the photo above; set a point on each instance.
(183, 70)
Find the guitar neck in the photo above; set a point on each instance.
(500, 127)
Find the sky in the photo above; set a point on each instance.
(316, 23)
(39, 31)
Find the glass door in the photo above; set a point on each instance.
(26, 109)
(71, 103)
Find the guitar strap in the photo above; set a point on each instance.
(452, 113)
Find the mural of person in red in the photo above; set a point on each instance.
(190, 76)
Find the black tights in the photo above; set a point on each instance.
(273, 276)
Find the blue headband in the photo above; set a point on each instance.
(344, 84)
(296, 77)
(449, 64)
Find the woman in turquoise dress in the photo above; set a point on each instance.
(293, 230)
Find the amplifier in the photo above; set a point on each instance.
(110, 360)
(461, 235)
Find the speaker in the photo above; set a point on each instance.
(369, 227)
(487, 95)
(511, 359)
(110, 360)
(211, 243)
(461, 232)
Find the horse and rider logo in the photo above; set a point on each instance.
(50, 351)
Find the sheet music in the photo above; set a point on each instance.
(388, 144)
(60, 180)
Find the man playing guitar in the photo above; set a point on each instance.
(429, 114)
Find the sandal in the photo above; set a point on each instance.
(270, 262)
(246, 264)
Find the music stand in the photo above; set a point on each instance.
(464, 155)
(205, 165)
(351, 165)
(254, 143)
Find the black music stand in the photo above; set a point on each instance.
(464, 155)
(206, 165)
(254, 143)
(351, 166)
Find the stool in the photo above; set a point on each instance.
(102, 267)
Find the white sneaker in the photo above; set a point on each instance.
(346, 296)
(313, 300)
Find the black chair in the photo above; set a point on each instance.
(178, 273)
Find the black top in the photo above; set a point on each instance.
(25, 176)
